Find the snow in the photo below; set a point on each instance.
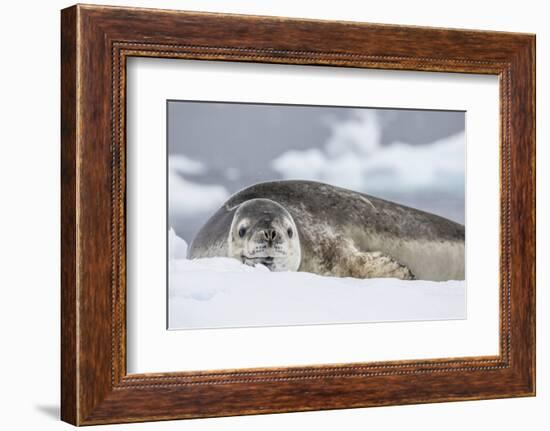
(177, 247)
(222, 292)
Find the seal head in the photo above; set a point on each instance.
(263, 231)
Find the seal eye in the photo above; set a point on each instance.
(290, 233)
(242, 231)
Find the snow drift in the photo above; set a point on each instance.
(222, 292)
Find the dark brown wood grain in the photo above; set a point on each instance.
(95, 42)
(68, 217)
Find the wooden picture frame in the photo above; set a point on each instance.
(95, 43)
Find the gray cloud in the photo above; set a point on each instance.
(409, 156)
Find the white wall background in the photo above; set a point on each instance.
(29, 224)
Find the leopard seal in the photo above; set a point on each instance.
(297, 225)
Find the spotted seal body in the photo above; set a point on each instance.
(315, 227)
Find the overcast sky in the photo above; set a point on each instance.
(414, 157)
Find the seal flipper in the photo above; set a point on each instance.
(375, 265)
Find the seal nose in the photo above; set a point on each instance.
(270, 234)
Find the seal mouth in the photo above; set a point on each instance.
(264, 260)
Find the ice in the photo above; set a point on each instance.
(223, 292)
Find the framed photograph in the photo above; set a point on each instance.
(264, 214)
(270, 223)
